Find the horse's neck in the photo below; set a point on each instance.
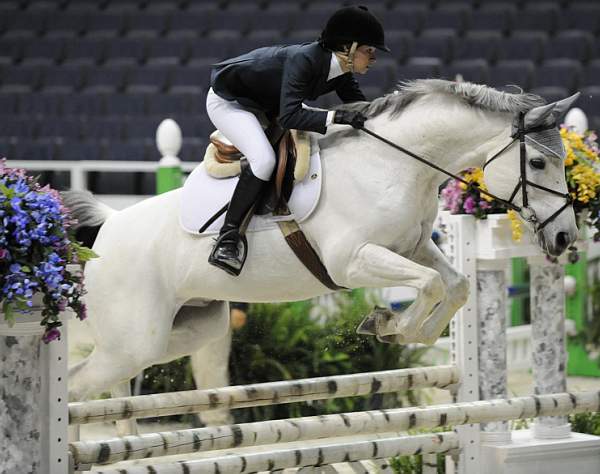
(452, 136)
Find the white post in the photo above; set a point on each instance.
(34, 405)
(548, 340)
(461, 249)
(491, 303)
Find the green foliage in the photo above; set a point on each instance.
(299, 340)
(586, 423)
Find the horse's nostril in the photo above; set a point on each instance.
(562, 240)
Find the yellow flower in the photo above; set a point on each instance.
(515, 225)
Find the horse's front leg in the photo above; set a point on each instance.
(376, 266)
(457, 292)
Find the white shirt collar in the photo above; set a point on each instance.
(335, 69)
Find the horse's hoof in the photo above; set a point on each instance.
(392, 339)
(368, 326)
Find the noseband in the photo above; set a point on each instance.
(526, 212)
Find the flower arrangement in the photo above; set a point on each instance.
(583, 181)
(35, 248)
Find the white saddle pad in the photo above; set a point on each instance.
(202, 197)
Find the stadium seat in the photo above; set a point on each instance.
(27, 150)
(62, 79)
(85, 51)
(438, 43)
(581, 16)
(591, 75)
(19, 24)
(405, 17)
(164, 51)
(72, 150)
(49, 127)
(495, 17)
(184, 103)
(209, 50)
(144, 25)
(143, 127)
(523, 45)
(189, 79)
(538, 16)
(184, 24)
(125, 52)
(571, 44)
(104, 80)
(451, 16)
(21, 79)
(378, 76)
(23, 128)
(66, 25)
(126, 104)
(11, 51)
(589, 102)
(559, 72)
(399, 43)
(84, 105)
(105, 25)
(41, 104)
(471, 70)
(419, 68)
(44, 52)
(95, 128)
(192, 149)
(147, 79)
(479, 45)
(508, 73)
(8, 104)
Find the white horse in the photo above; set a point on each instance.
(153, 297)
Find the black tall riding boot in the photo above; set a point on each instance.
(226, 254)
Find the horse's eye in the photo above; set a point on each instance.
(537, 163)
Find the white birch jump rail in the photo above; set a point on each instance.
(328, 426)
(271, 393)
(304, 457)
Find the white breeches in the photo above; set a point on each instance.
(243, 129)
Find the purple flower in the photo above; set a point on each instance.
(51, 335)
(469, 205)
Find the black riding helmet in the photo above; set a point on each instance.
(349, 24)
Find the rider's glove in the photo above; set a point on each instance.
(348, 117)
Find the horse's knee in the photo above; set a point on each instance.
(460, 289)
(434, 287)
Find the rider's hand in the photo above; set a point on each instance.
(348, 117)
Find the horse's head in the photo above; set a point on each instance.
(530, 173)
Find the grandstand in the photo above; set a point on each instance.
(92, 79)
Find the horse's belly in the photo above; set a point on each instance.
(272, 273)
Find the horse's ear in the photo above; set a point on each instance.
(562, 106)
(538, 115)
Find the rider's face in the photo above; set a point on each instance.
(364, 58)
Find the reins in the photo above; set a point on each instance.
(522, 184)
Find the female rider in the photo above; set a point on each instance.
(274, 81)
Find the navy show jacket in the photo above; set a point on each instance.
(277, 79)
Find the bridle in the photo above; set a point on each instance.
(526, 212)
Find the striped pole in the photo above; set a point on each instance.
(312, 456)
(242, 396)
(327, 426)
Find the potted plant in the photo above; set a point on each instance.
(37, 253)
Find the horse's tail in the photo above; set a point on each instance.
(89, 212)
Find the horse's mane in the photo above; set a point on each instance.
(477, 95)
